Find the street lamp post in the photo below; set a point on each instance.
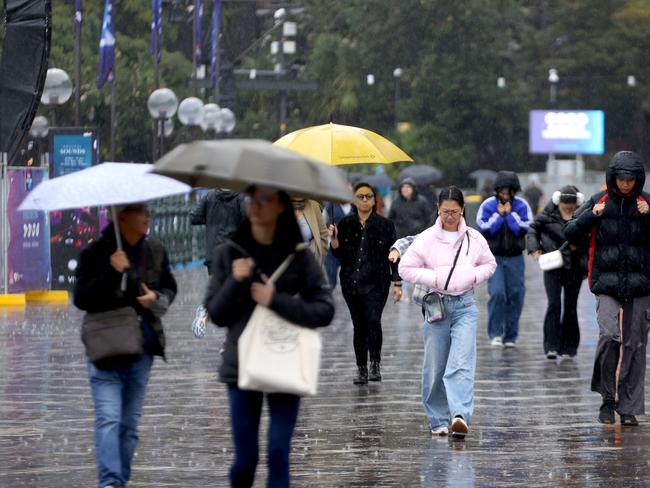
(39, 130)
(397, 74)
(553, 79)
(219, 120)
(57, 90)
(162, 105)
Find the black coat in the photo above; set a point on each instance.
(619, 253)
(410, 217)
(546, 234)
(97, 285)
(222, 212)
(377, 271)
(302, 295)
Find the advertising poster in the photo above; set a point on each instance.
(28, 262)
(567, 132)
(71, 230)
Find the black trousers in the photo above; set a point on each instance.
(561, 331)
(366, 310)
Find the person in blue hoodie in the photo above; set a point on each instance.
(504, 220)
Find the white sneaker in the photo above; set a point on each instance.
(496, 341)
(509, 344)
(440, 431)
(551, 355)
(459, 428)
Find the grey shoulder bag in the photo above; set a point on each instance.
(113, 334)
(432, 306)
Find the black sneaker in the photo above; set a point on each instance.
(362, 376)
(375, 371)
(629, 420)
(606, 415)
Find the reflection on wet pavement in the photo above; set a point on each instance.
(534, 422)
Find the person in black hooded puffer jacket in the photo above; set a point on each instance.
(546, 234)
(617, 222)
(410, 211)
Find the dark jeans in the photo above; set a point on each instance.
(366, 311)
(561, 331)
(245, 413)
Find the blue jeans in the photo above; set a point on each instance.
(245, 412)
(332, 265)
(450, 362)
(506, 289)
(118, 395)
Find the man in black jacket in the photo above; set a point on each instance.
(222, 212)
(118, 385)
(618, 223)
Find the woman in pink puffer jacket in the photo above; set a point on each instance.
(449, 258)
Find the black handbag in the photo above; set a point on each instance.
(113, 334)
(433, 307)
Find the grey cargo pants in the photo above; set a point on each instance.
(633, 335)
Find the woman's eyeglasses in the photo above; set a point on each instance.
(366, 196)
(450, 213)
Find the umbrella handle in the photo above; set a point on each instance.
(118, 239)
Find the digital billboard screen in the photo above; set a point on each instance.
(567, 132)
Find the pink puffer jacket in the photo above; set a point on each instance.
(429, 259)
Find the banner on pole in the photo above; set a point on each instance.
(72, 149)
(28, 259)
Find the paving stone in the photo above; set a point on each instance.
(534, 422)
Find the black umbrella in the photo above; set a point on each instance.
(422, 174)
(483, 174)
(376, 180)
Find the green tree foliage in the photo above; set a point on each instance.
(451, 54)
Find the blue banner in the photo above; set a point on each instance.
(79, 11)
(156, 29)
(106, 47)
(214, 53)
(198, 6)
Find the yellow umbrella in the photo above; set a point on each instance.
(343, 144)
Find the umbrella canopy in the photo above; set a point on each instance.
(376, 180)
(240, 163)
(343, 144)
(103, 184)
(483, 174)
(422, 174)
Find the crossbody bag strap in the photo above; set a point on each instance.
(453, 266)
(282, 268)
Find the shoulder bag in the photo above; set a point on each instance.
(432, 304)
(112, 334)
(275, 355)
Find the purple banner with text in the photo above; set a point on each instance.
(29, 248)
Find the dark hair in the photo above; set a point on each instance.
(569, 194)
(451, 193)
(287, 231)
(363, 184)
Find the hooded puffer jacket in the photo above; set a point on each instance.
(505, 233)
(410, 217)
(619, 247)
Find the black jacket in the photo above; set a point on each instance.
(302, 294)
(619, 252)
(221, 211)
(546, 234)
(97, 286)
(410, 217)
(376, 271)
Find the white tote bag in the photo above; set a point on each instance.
(277, 356)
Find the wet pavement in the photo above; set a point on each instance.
(534, 421)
